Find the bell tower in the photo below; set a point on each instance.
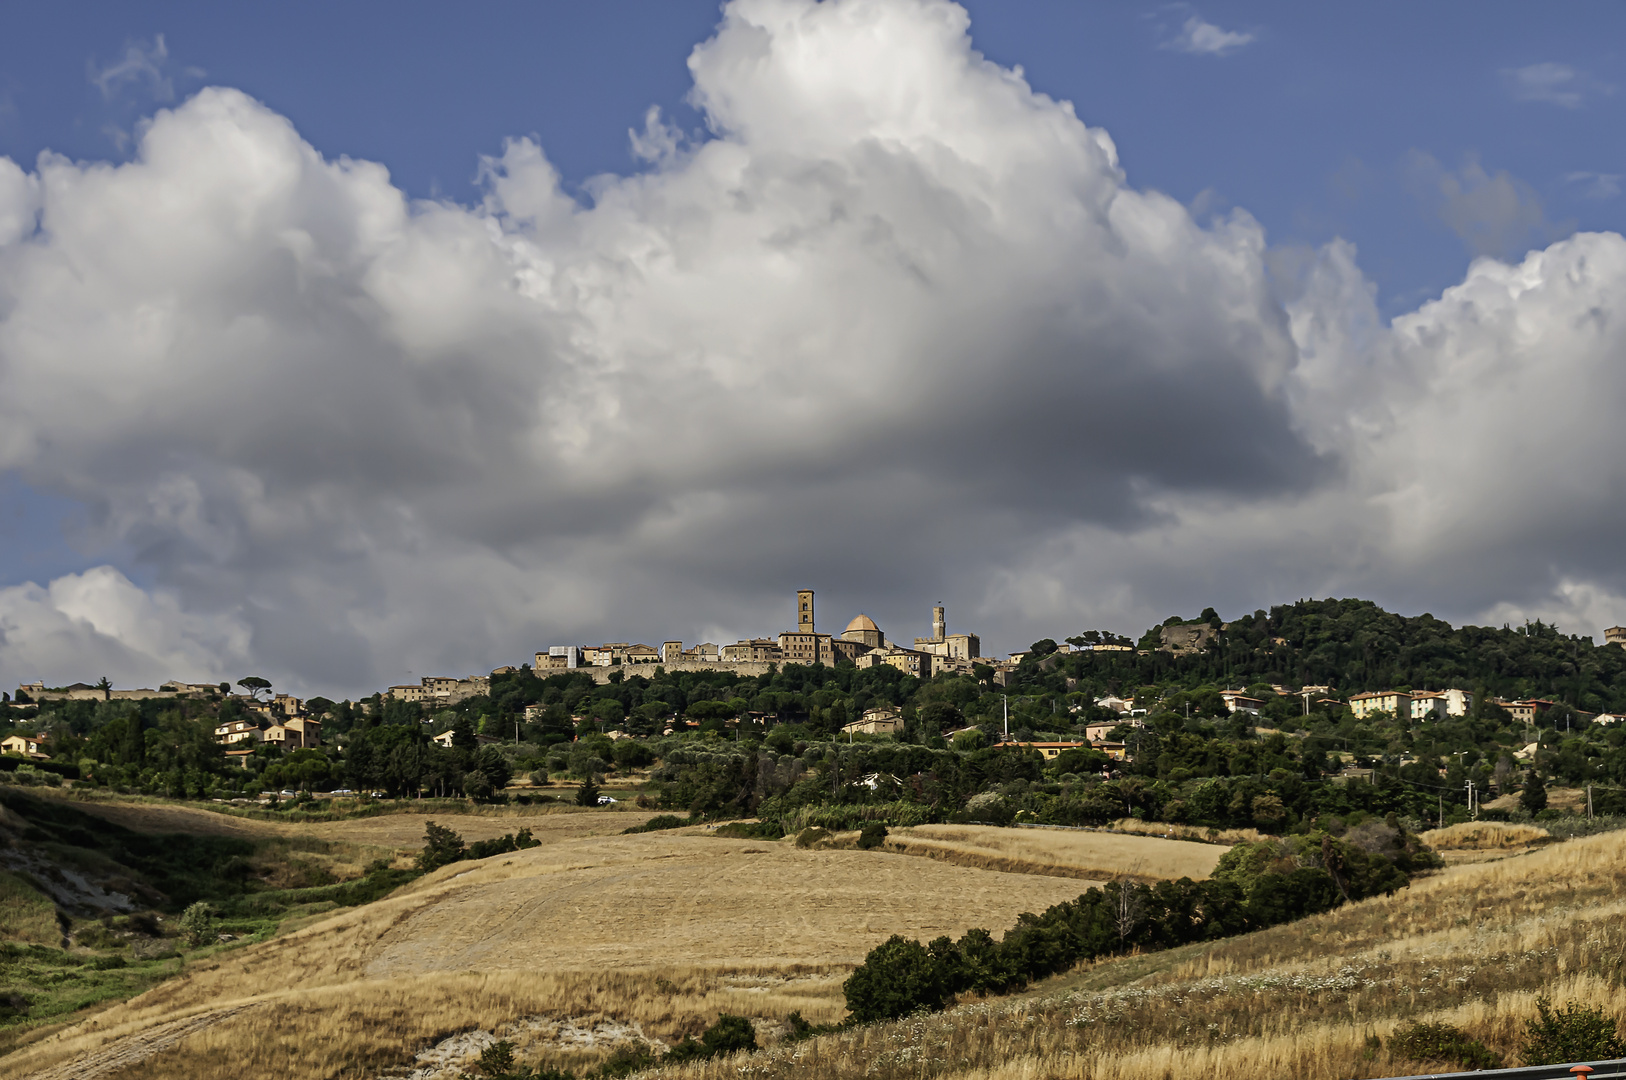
(939, 624)
(804, 611)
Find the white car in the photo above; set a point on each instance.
(605, 800)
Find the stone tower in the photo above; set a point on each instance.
(939, 625)
(804, 611)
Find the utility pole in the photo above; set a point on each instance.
(1441, 797)
(1589, 800)
(1007, 706)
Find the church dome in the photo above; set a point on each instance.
(863, 622)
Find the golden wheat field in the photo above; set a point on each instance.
(578, 927)
(1471, 946)
(401, 829)
(573, 947)
(1058, 852)
(1483, 836)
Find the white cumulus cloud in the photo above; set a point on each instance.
(1198, 35)
(898, 327)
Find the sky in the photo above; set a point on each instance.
(347, 344)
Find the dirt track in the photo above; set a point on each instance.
(128, 1050)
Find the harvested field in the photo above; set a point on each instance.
(1483, 836)
(1093, 856)
(1201, 834)
(1471, 946)
(401, 829)
(404, 831)
(657, 928)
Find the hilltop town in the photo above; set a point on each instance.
(808, 775)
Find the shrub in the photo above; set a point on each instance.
(808, 837)
(497, 1059)
(800, 1028)
(631, 1058)
(1442, 1042)
(750, 830)
(897, 977)
(441, 846)
(873, 835)
(657, 823)
(1575, 1034)
(198, 924)
(730, 1034)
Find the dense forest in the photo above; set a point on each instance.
(717, 744)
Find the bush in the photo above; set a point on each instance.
(750, 830)
(730, 1034)
(441, 846)
(1442, 1042)
(657, 823)
(808, 837)
(198, 924)
(897, 977)
(1576, 1034)
(630, 1058)
(873, 835)
(800, 1028)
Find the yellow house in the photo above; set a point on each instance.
(1394, 702)
(34, 746)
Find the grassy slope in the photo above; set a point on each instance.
(1089, 855)
(575, 927)
(261, 876)
(1472, 945)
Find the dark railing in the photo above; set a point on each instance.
(1583, 1070)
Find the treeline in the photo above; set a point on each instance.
(1254, 886)
(1354, 646)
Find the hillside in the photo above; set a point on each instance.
(1355, 645)
(1473, 946)
(763, 928)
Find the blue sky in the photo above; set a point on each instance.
(1315, 126)
(1423, 135)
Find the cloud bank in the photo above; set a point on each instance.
(899, 328)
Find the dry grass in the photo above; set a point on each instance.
(1558, 798)
(26, 914)
(1471, 946)
(370, 986)
(358, 1028)
(1483, 836)
(1200, 834)
(401, 829)
(1093, 856)
(664, 931)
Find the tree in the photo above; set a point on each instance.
(1534, 796)
(1128, 907)
(897, 977)
(489, 762)
(587, 793)
(198, 924)
(463, 737)
(106, 687)
(254, 685)
(441, 846)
